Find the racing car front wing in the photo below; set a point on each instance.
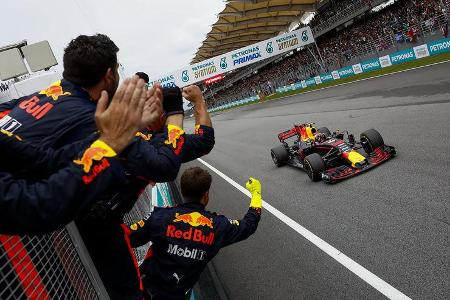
(377, 157)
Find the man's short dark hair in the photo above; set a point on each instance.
(87, 59)
(143, 76)
(195, 182)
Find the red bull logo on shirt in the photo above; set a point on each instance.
(96, 152)
(89, 156)
(32, 107)
(145, 137)
(175, 138)
(195, 235)
(55, 91)
(194, 219)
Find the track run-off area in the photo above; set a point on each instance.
(385, 233)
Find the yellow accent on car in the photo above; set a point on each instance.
(354, 157)
(310, 133)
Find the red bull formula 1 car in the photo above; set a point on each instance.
(330, 157)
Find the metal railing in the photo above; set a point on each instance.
(51, 266)
(141, 209)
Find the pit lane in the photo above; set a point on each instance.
(393, 220)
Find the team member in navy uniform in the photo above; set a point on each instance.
(69, 181)
(186, 237)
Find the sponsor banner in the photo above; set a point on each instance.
(303, 83)
(317, 80)
(298, 85)
(385, 61)
(245, 56)
(440, 46)
(165, 81)
(371, 65)
(421, 51)
(244, 101)
(402, 56)
(310, 82)
(288, 41)
(213, 79)
(238, 58)
(335, 75)
(357, 69)
(346, 72)
(326, 77)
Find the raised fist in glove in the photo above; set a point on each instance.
(172, 101)
(254, 187)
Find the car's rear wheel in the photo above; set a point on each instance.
(325, 131)
(370, 140)
(314, 166)
(280, 155)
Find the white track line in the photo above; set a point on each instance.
(372, 279)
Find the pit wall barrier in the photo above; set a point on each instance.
(396, 58)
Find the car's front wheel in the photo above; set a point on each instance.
(370, 140)
(314, 166)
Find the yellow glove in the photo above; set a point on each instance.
(254, 187)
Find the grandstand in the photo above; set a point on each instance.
(347, 32)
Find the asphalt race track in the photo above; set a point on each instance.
(393, 220)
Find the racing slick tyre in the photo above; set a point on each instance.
(370, 140)
(314, 166)
(325, 131)
(280, 155)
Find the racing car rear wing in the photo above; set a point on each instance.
(288, 134)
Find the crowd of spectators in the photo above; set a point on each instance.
(401, 22)
(335, 9)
